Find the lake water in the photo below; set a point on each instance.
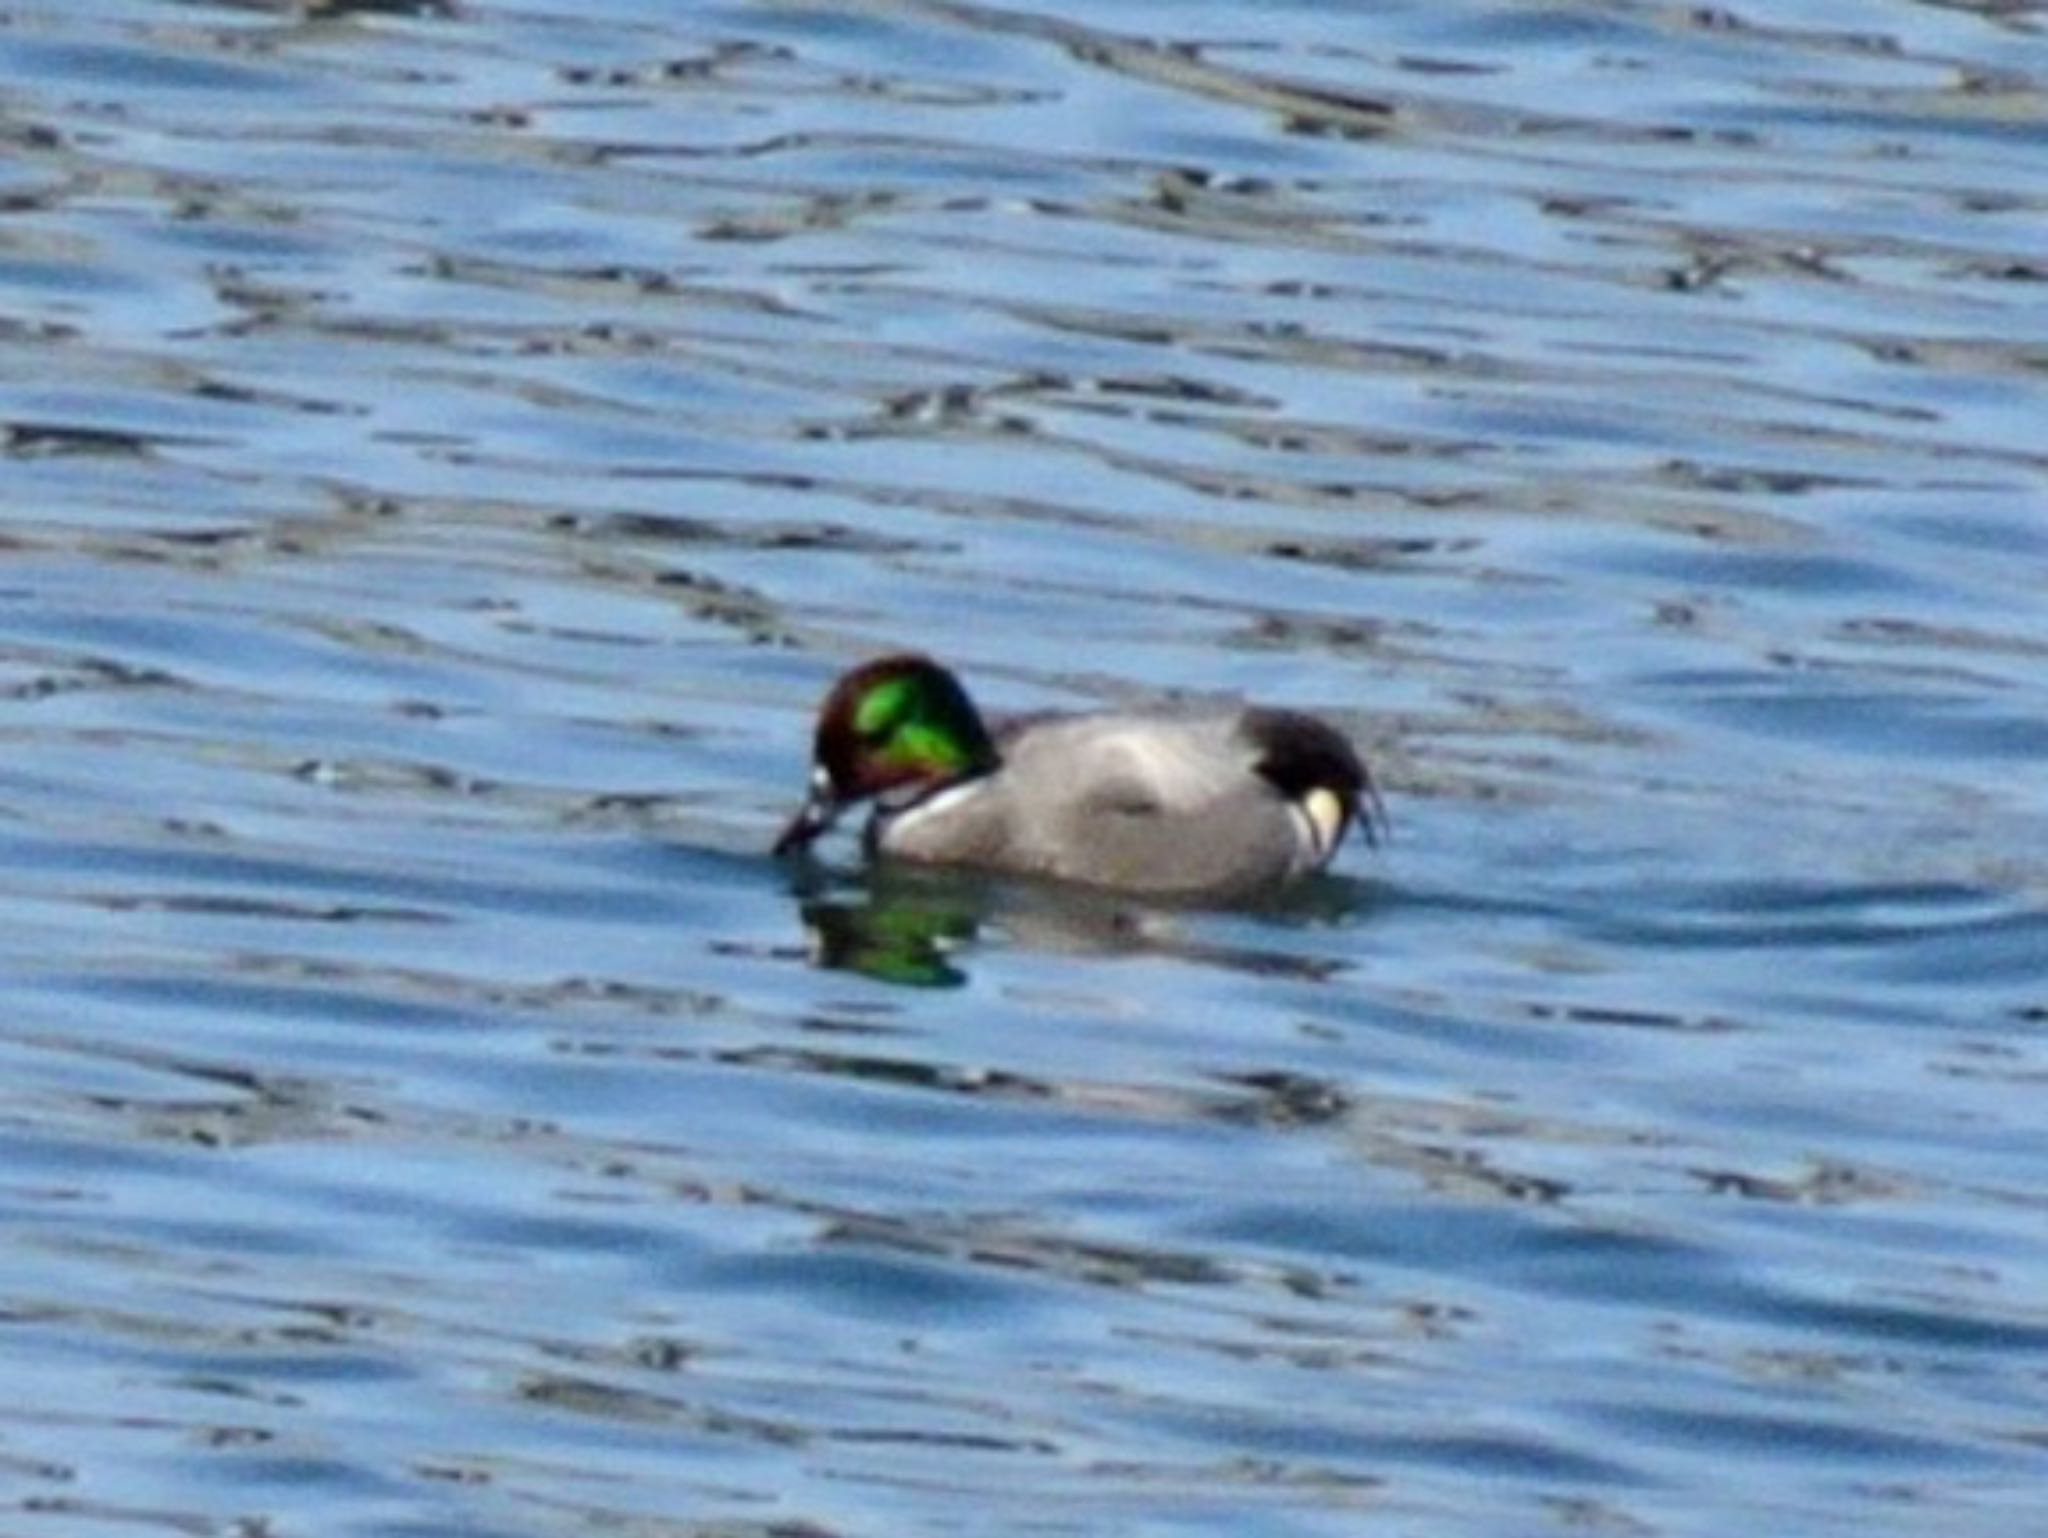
(449, 449)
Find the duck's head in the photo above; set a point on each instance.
(897, 726)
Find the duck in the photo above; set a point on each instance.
(1172, 802)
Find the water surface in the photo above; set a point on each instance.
(448, 451)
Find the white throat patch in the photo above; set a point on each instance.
(933, 803)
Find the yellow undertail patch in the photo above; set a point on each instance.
(1325, 811)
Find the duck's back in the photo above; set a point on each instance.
(1156, 803)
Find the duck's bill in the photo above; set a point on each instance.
(820, 810)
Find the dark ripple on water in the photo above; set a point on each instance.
(449, 448)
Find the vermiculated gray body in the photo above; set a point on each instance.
(1165, 804)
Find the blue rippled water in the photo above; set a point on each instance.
(448, 450)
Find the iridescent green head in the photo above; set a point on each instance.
(896, 723)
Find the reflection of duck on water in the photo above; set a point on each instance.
(909, 924)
